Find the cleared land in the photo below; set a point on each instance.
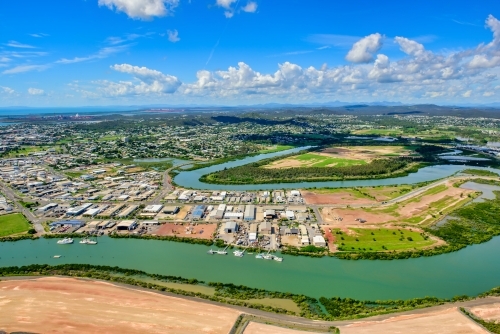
(448, 321)
(360, 195)
(66, 305)
(367, 153)
(424, 209)
(258, 328)
(200, 231)
(381, 239)
(314, 160)
(489, 312)
(13, 224)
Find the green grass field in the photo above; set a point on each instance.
(277, 148)
(14, 223)
(381, 240)
(316, 160)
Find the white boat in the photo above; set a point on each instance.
(267, 257)
(239, 253)
(277, 258)
(57, 256)
(65, 241)
(258, 256)
(211, 252)
(87, 241)
(221, 252)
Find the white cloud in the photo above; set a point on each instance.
(25, 68)
(250, 7)
(148, 82)
(7, 90)
(410, 47)
(225, 3)
(35, 91)
(39, 35)
(421, 75)
(362, 51)
(14, 44)
(173, 36)
(101, 54)
(141, 9)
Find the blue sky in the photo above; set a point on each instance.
(124, 52)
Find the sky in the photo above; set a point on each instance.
(63, 53)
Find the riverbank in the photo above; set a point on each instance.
(147, 309)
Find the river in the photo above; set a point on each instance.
(191, 179)
(472, 270)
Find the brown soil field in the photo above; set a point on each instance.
(366, 153)
(330, 237)
(487, 312)
(335, 198)
(449, 321)
(404, 210)
(194, 231)
(258, 328)
(67, 305)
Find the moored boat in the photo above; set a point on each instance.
(65, 241)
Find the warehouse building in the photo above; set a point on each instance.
(78, 210)
(127, 211)
(171, 210)
(153, 208)
(220, 211)
(319, 241)
(231, 227)
(249, 212)
(198, 212)
(74, 223)
(126, 225)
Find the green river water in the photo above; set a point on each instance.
(470, 271)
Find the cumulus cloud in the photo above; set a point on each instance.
(35, 91)
(421, 75)
(362, 51)
(173, 36)
(141, 9)
(250, 7)
(225, 3)
(148, 81)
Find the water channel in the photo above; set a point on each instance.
(470, 271)
(190, 179)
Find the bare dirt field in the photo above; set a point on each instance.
(291, 240)
(487, 312)
(366, 153)
(258, 328)
(449, 321)
(200, 231)
(414, 210)
(341, 198)
(66, 305)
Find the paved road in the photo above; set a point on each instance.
(167, 183)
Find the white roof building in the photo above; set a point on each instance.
(319, 241)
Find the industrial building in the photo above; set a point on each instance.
(198, 212)
(126, 225)
(265, 227)
(78, 210)
(153, 208)
(170, 210)
(127, 211)
(249, 212)
(220, 211)
(319, 241)
(231, 227)
(74, 223)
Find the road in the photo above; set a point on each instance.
(167, 186)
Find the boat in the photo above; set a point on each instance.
(65, 241)
(258, 256)
(88, 241)
(239, 253)
(277, 258)
(222, 252)
(211, 252)
(268, 256)
(57, 256)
